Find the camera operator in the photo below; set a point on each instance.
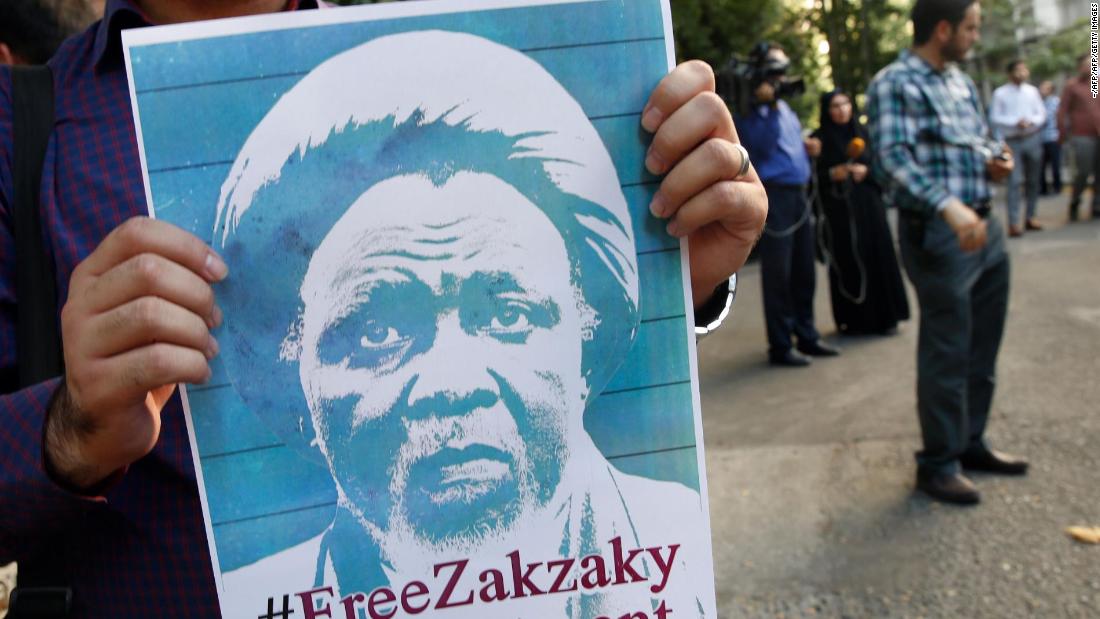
(771, 132)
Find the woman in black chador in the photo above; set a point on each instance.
(864, 279)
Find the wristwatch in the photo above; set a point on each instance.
(711, 314)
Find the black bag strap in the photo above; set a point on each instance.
(37, 337)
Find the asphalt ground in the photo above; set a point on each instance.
(811, 470)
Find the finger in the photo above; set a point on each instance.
(141, 235)
(136, 372)
(674, 90)
(982, 234)
(713, 161)
(146, 321)
(705, 116)
(120, 381)
(963, 235)
(719, 202)
(152, 275)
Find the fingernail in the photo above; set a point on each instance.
(215, 268)
(212, 348)
(657, 206)
(651, 118)
(216, 317)
(673, 228)
(654, 163)
(206, 378)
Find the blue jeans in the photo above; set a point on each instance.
(787, 274)
(1052, 158)
(963, 299)
(1028, 152)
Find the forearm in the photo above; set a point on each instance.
(32, 506)
(914, 191)
(1063, 116)
(1038, 114)
(64, 454)
(999, 116)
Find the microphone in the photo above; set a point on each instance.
(855, 148)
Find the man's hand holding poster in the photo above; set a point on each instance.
(457, 373)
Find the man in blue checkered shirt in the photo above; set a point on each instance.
(933, 153)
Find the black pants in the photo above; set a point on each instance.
(1052, 158)
(963, 299)
(786, 253)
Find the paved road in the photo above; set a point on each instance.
(811, 470)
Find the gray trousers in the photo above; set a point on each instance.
(1085, 163)
(1028, 153)
(963, 300)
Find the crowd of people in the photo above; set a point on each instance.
(928, 148)
(931, 150)
(826, 202)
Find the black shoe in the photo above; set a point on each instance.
(789, 358)
(948, 487)
(993, 461)
(817, 349)
(1073, 206)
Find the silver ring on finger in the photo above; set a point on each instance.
(745, 163)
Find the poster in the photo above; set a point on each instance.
(457, 373)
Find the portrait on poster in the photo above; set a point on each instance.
(436, 272)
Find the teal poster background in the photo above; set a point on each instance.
(198, 101)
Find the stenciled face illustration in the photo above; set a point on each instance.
(441, 358)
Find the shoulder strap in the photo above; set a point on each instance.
(38, 340)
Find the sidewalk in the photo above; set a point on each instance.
(811, 470)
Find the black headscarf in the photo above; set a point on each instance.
(836, 138)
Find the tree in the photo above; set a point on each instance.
(1010, 31)
(1057, 55)
(714, 30)
(863, 37)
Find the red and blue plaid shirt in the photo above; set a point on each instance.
(141, 550)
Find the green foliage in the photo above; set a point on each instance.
(1057, 55)
(714, 30)
(863, 36)
(711, 30)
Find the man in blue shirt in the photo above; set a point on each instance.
(773, 136)
(1052, 148)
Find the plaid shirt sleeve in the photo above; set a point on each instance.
(31, 505)
(894, 128)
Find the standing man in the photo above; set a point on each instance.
(773, 136)
(1079, 123)
(1018, 115)
(934, 153)
(1052, 148)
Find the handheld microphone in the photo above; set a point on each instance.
(855, 148)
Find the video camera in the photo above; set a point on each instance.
(739, 78)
